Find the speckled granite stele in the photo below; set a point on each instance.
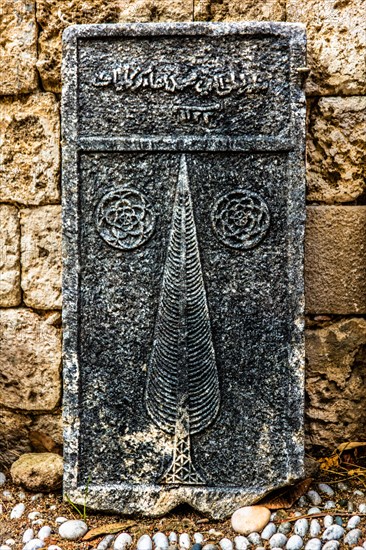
(183, 222)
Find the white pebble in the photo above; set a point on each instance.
(54, 547)
(284, 528)
(342, 486)
(37, 496)
(161, 541)
(359, 493)
(241, 543)
(122, 541)
(353, 537)
(72, 529)
(34, 515)
(331, 545)
(268, 531)
(173, 539)
(4, 547)
(254, 538)
(10, 542)
(21, 495)
(315, 528)
(144, 543)
(328, 521)
(60, 519)
(358, 548)
(313, 510)
(226, 544)
(17, 511)
(28, 535)
(326, 489)
(184, 541)
(7, 495)
(105, 543)
(314, 498)
(353, 522)
(313, 544)
(294, 543)
(278, 541)
(34, 544)
(38, 522)
(198, 538)
(303, 501)
(362, 508)
(44, 532)
(329, 505)
(301, 527)
(2, 479)
(334, 532)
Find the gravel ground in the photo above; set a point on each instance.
(349, 500)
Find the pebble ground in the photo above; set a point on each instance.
(337, 510)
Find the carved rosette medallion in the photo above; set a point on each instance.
(240, 219)
(125, 218)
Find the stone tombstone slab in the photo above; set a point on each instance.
(183, 220)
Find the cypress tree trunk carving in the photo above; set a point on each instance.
(182, 391)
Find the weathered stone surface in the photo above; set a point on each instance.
(335, 260)
(240, 10)
(13, 435)
(30, 360)
(18, 47)
(51, 425)
(53, 16)
(183, 225)
(38, 471)
(41, 256)
(335, 383)
(29, 147)
(336, 44)
(147, 11)
(336, 149)
(9, 256)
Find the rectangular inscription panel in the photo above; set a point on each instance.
(183, 186)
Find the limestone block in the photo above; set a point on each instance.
(18, 47)
(53, 16)
(30, 360)
(240, 10)
(335, 259)
(335, 383)
(336, 149)
(336, 44)
(9, 256)
(29, 149)
(50, 425)
(146, 11)
(41, 256)
(13, 434)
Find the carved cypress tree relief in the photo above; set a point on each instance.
(182, 391)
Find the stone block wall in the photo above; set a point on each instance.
(30, 229)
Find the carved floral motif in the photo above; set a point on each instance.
(125, 219)
(240, 219)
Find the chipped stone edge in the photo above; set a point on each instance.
(153, 500)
